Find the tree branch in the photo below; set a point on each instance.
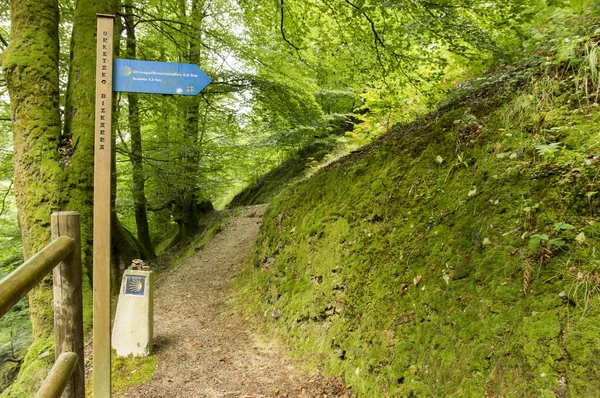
(15, 360)
(376, 37)
(5, 197)
(442, 6)
(3, 41)
(373, 29)
(282, 29)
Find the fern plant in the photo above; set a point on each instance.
(547, 150)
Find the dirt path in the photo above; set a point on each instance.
(205, 351)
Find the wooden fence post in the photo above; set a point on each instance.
(68, 303)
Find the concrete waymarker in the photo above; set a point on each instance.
(132, 331)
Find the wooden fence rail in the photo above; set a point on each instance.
(18, 283)
(59, 376)
(63, 257)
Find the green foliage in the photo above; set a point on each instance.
(547, 150)
(211, 225)
(536, 240)
(397, 57)
(410, 276)
(558, 226)
(36, 364)
(15, 337)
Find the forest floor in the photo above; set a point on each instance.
(206, 348)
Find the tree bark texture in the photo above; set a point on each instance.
(138, 176)
(30, 65)
(31, 70)
(125, 249)
(124, 245)
(185, 210)
(79, 118)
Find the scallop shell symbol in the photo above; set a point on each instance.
(135, 285)
(125, 70)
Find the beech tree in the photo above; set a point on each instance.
(135, 152)
(30, 65)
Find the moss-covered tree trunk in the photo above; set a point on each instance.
(31, 68)
(137, 172)
(79, 118)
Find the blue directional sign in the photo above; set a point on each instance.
(158, 77)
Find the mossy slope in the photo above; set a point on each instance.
(266, 187)
(456, 256)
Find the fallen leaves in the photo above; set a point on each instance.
(417, 279)
(226, 361)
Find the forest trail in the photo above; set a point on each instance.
(206, 350)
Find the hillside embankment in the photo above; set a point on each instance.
(455, 256)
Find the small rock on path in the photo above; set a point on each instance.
(204, 349)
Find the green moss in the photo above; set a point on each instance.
(36, 364)
(31, 70)
(128, 371)
(266, 187)
(414, 277)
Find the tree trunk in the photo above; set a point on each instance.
(125, 249)
(31, 68)
(124, 246)
(138, 177)
(185, 210)
(79, 118)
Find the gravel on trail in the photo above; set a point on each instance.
(204, 348)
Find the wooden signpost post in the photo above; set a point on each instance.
(102, 173)
(131, 76)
